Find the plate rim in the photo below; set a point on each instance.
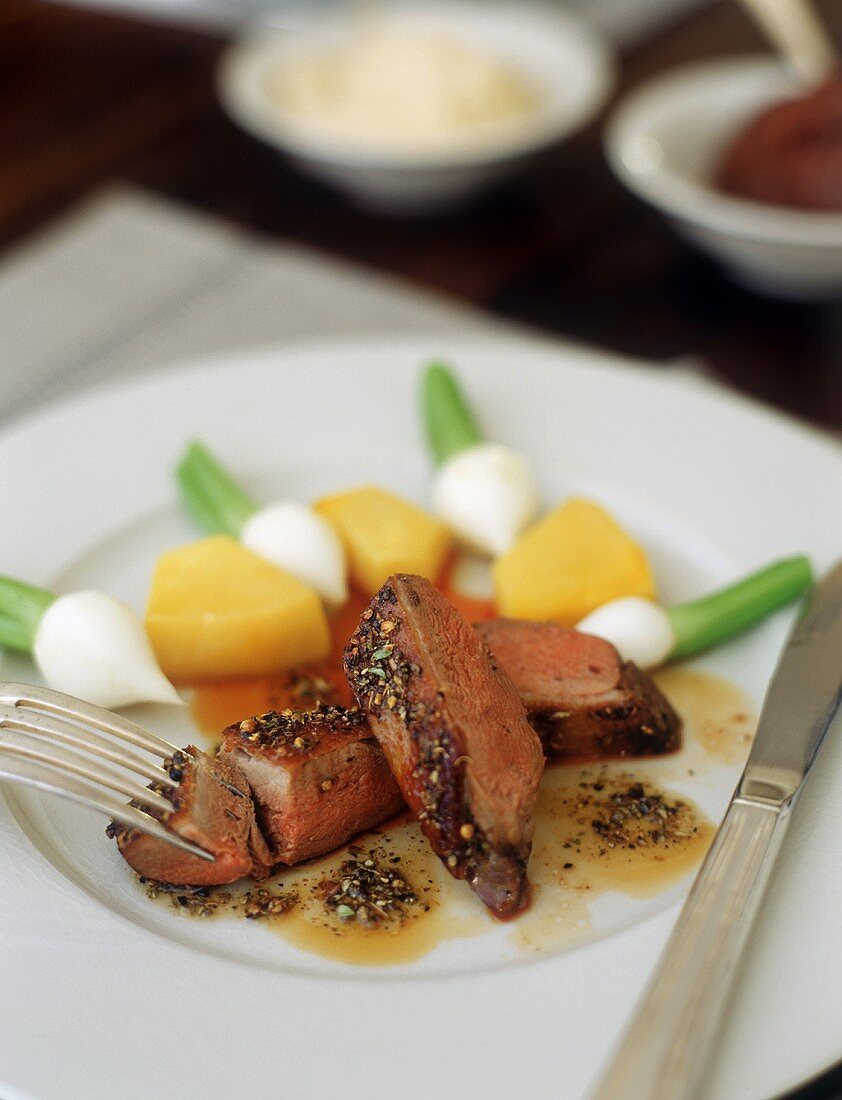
(59, 407)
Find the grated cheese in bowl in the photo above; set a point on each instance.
(396, 88)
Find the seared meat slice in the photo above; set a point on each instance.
(580, 696)
(317, 778)
(213, 808)
(455, 734)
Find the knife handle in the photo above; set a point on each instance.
(664, 1050)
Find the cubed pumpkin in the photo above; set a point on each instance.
(571, 561)
(218, 611)
(384, 534)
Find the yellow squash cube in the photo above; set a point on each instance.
(383, 534)
(218, 611)
(573, 560)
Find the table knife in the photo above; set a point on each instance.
(667, 1045)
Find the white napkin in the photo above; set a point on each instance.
(130, 281)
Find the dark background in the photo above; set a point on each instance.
(90, 98)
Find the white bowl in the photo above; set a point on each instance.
(556, 51)
(664, 142)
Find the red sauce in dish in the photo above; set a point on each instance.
(791, 154)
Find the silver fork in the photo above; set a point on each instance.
(64, 752)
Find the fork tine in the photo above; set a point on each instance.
(64, 760)
(37, 775)
(67, 706)
(55, 729)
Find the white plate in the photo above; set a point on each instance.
(104, 995)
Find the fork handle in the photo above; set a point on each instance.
(664, 1050)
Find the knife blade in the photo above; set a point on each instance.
(803, 696)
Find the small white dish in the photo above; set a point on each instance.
(664, 142)
(564, 58)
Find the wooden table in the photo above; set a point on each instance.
(89, 98)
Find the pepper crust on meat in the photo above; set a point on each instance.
(455, 733)
(318, 778)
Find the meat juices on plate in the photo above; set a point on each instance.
(581, 697)
(213, 808)
(318, 778)
(455, 733)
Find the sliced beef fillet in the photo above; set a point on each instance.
(317, 778)
(580, 696)
(455, 734)
(213, 808)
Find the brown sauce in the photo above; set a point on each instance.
(599, 828)
(439, 916)
(721, 719)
